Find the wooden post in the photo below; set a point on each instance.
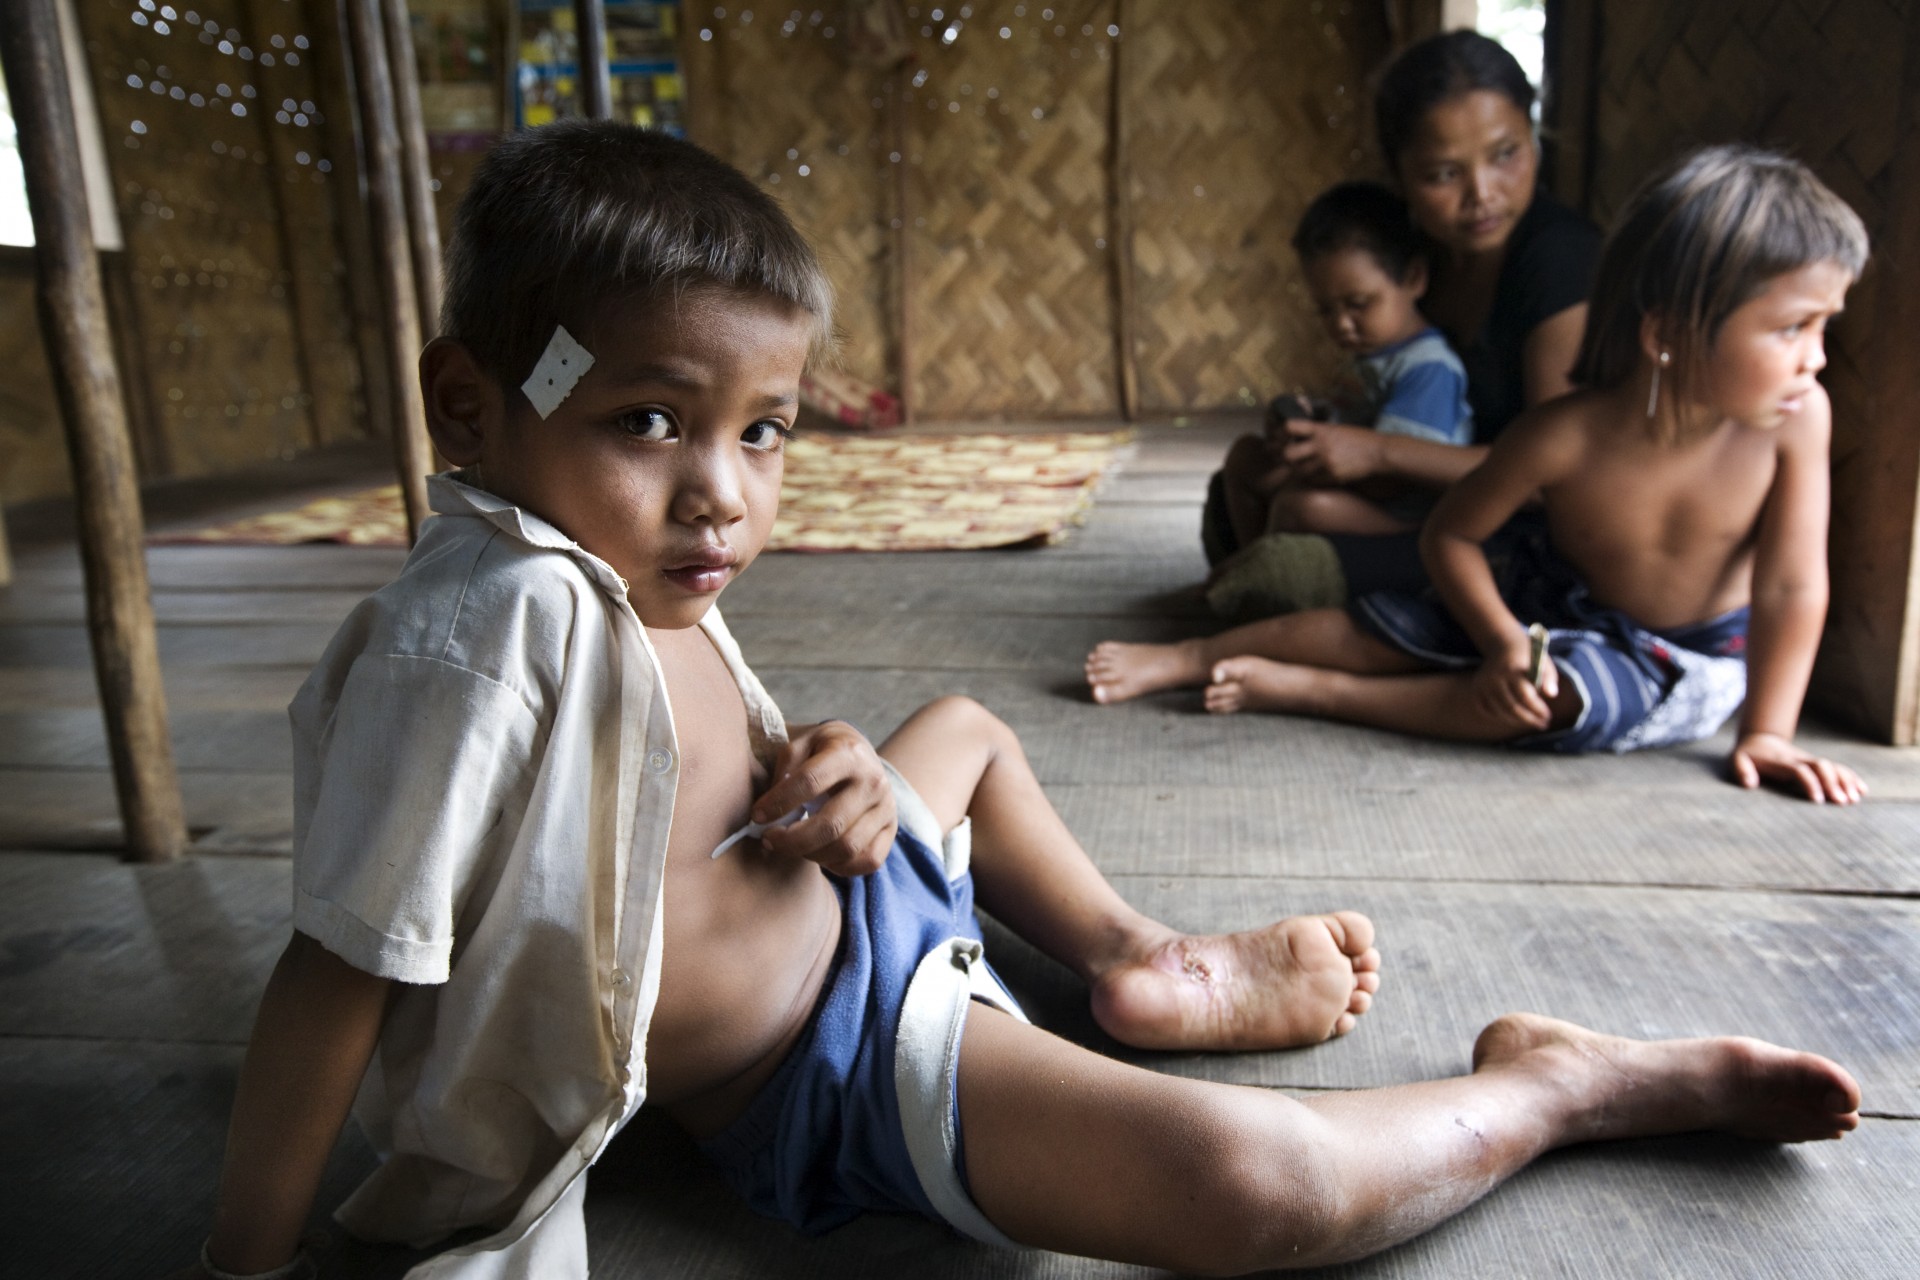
(1120, 221)
(416, 167)
(73, 316)
(596, 82)
(1869, 667)
(898, 80)
(393, 253)
(333, 88)
(1574, 41)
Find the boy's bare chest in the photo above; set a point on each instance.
(717, 769)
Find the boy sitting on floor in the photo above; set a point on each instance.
(1366, 270)
(519, 914)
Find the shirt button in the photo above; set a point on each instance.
(659, 760)
(620, 978)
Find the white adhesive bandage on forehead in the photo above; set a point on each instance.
(561, 365)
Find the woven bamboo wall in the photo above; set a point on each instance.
(1007, 135)
(33, 457)
(781, 101)
(228, 228)
(1826, 80)
(1241, 115)
(1008, 275)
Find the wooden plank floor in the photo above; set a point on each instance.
(1642, 895)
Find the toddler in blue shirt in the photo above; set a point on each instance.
(1366, 270)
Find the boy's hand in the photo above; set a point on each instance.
(835, 764)
(1768, 757)
(1330, 453)
(1504, 688)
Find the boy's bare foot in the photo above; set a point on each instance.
(1635, 1088)
(1258, 684)
(1117, 671)
(1297, 981)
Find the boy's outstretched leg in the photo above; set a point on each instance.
(1070, 1151)
(1315, 637)
(1297, 981)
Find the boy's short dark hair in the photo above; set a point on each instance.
(564, 218)
(1365, 216)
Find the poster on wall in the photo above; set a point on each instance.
(456, 46)
(641, 53)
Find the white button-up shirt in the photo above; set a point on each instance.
(484, 776)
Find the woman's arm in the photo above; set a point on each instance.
(1789, 611)
(1551, 350)
(316, 1031)
(1329, 453)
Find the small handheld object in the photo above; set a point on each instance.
(754, 830)
(1537, 655)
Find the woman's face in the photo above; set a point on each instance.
(1468, 173)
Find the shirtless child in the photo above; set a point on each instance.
(515, 766)
(1681, 565)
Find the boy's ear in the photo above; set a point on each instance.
(1415, 279)
(464, 405)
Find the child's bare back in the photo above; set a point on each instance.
(1663, 532)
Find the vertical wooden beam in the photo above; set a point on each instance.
(334, 90)
(279, 145)
(416, 167)
(1574, 41)
(1120, 220)
(596, 81)
(898, 81)
(1869, 669)
(73, 316)
(393, 253)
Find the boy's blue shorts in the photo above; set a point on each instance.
(862, 1115)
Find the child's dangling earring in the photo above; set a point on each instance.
(1653, 392)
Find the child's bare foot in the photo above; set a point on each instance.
(1116, 671)
(1258, 684)
(1297, 981)
(1636, 1088)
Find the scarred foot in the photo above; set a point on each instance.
(1117, 671)
(1258, 684)
(1624, 1088)
(1297, 981)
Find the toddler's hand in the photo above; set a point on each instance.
(1768, 757)
(1330, 453)
(833, 763)
(1504, 688)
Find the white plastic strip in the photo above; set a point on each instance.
(561, 365)
(754, 830)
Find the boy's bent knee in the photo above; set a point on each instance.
(1263, 1192)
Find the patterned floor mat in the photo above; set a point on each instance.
(904, 493)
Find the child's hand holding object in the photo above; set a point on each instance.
(832, 776)
(1516, 685)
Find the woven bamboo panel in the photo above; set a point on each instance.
(1241, 115)
(778, 97)
(191, 144)
(1007, 144)
(1813, 77)
(33, 456)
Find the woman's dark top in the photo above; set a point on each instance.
(1548, 267)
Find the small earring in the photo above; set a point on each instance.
(1653, 392)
